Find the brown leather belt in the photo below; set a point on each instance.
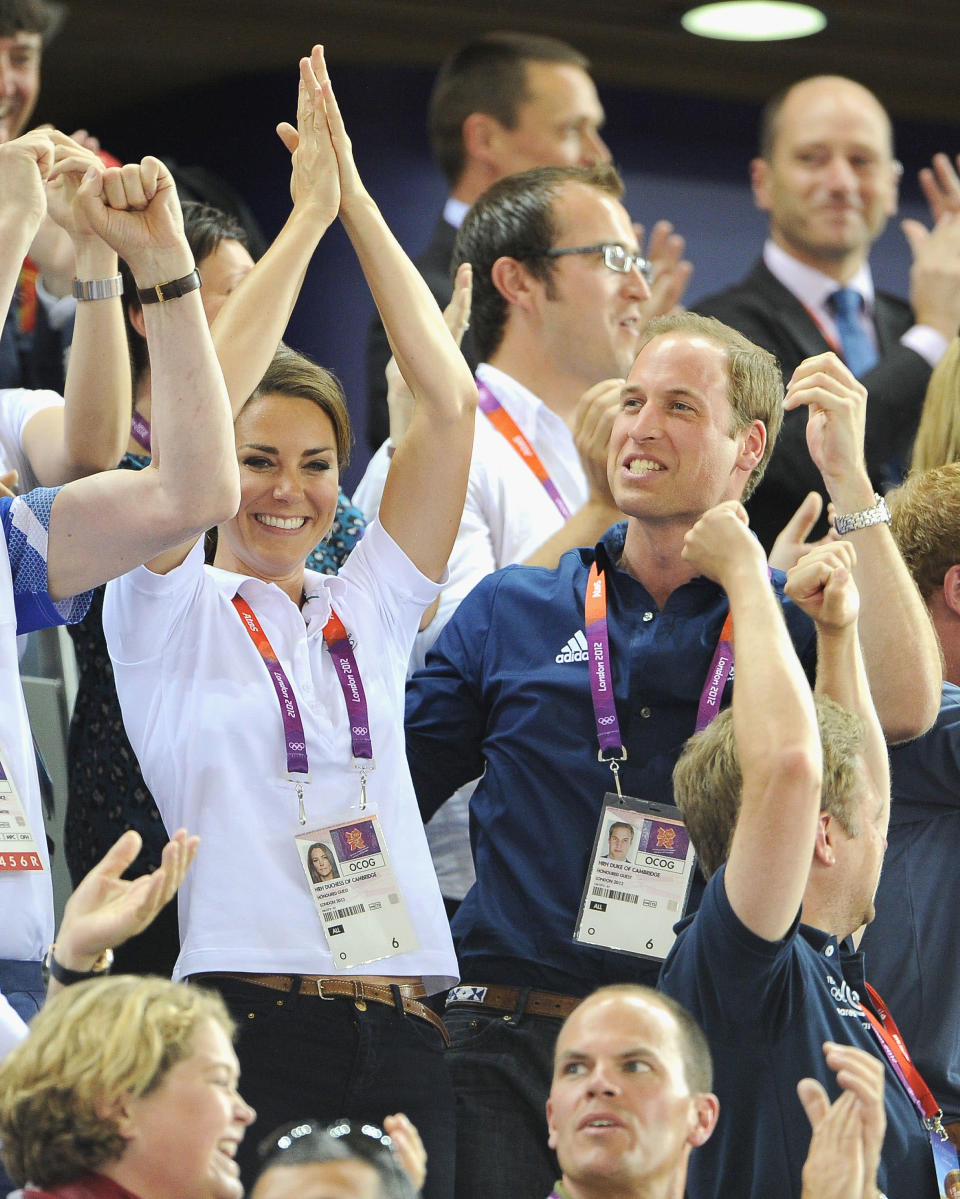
(506, 999)
(321, 986)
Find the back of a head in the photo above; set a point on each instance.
(515, 219)
(486, 75)
(308, 1143)
(708, 785)
(925, 521)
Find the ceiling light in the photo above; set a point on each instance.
(754, 20)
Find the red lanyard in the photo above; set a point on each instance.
(886, 1031)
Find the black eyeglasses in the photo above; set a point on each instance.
(614, 256)
(366, 1140)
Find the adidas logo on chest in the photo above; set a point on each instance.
(575, 650)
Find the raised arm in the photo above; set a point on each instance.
(90, 431)
(899, 645)
(105, 525)
(841, 674)
(775, 727)
(252, 322)
(25, 163)
(423, 497)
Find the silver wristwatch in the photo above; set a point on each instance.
(879, 514)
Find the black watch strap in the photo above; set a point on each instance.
(68, 977)
(170, 291)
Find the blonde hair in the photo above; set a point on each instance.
(938, 434)
(925, 520)
(94, 1042)
(708, 785)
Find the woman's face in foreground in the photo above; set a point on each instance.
(182, 1137)
(289, 485)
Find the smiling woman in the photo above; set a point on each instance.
(125, 1083)
(267, 700)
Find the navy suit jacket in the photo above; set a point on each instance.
(434, 265)
(761, 308)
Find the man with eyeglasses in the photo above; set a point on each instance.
(560, 299)
(827, 177)
(561, 296)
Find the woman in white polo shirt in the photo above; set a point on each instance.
(267, 702)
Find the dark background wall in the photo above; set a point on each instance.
(684, 158)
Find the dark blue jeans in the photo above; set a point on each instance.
(501, 1066)
(302, 1056)
(22, 984)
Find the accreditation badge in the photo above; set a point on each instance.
(18, 847)
(944, 1160)
(639, 879)
(355, 890)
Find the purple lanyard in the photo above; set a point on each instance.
(294, 736)
(612, 749)
(348, 676)
(140, 430)
(507, 427)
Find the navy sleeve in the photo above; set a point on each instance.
(446, 712)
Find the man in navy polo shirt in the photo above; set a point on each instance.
(790, 829)
(506, 693)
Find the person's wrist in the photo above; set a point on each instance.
(852, 492)
(62, 957)
(160, 266)
(94, 259)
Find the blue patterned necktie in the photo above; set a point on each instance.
(858, 351)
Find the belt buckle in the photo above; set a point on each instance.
(358, 1000)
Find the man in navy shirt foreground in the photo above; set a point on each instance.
(790, 826)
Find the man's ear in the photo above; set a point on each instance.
(824, 850)
(760, 182)
(552, 1137)
(754, 443)
(951, 589)
(135, 313)
(513, 281)
(480, 133)
(896, 172)
(706, 1108)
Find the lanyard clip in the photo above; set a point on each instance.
(364, 765)
(614, 764)
(934, 1123)
(298, 781)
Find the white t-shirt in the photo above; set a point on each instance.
(507, 515)
(18, 406)
(204, 720)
